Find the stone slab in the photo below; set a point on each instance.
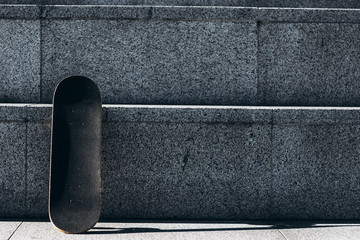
(180, 12)
(7, 228)
(96, 12)
(334, 15)
(278, 12)
(148, 12)
(307, 64)
(246, 3)
(148, 61)
(204, 13)
(187, 114)
(136, 230)
(164, 162)
(19, 11)
(186, 171)
(13, 169)
(38, 161)
(316, 115)
(12, 112)
(39, 112)
(20, 60)
(315, 172)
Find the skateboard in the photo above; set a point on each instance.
(75, 159)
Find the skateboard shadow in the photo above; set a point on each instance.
(297, 225)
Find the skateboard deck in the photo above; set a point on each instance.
(75, 160)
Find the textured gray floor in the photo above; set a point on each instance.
(170, 230)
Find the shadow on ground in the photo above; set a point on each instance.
(257, 227)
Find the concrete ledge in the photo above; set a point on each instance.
(96, 12)
(315, 115)
(335, 15)
(235, 3)
(309, 15)
(187, 114)
(314, 15)
(196, 114)
(197, 162)
(149, 12)
(240, 13)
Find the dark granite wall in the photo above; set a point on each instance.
(241, 3)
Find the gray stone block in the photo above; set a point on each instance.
(148, 12)
(204, 13)
(306, 64)
(38, 161)
(20, 60)
(315, 172)
(308, 15)
(241, 3)
(96, 12)
(155, 62)
(186, 171)
(12, 112)
(20, 11)
(187, 114)
(164, 162)
(13, 186)
(316, 115)
(39, 112)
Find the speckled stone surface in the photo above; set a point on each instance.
(12, 112)
(187, 114)
(13, 169)
(20, 11)
(316, 115)
(248, 3)
(20, 60)
(186, 171)
(149, 12)
(163, 162)
(155, 62)
(96, 12)
(335, 15)
(38, 161)
(211, 55)
(39, 112)
(306, 64)
(315, 172)
(203, 13)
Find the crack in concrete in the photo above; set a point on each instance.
(15, 231)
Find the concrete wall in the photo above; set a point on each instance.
(177, 162)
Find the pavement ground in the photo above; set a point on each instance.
(289, 230)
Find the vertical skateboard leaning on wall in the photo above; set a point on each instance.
(75, 164)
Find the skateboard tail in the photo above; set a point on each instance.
(75, 158)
